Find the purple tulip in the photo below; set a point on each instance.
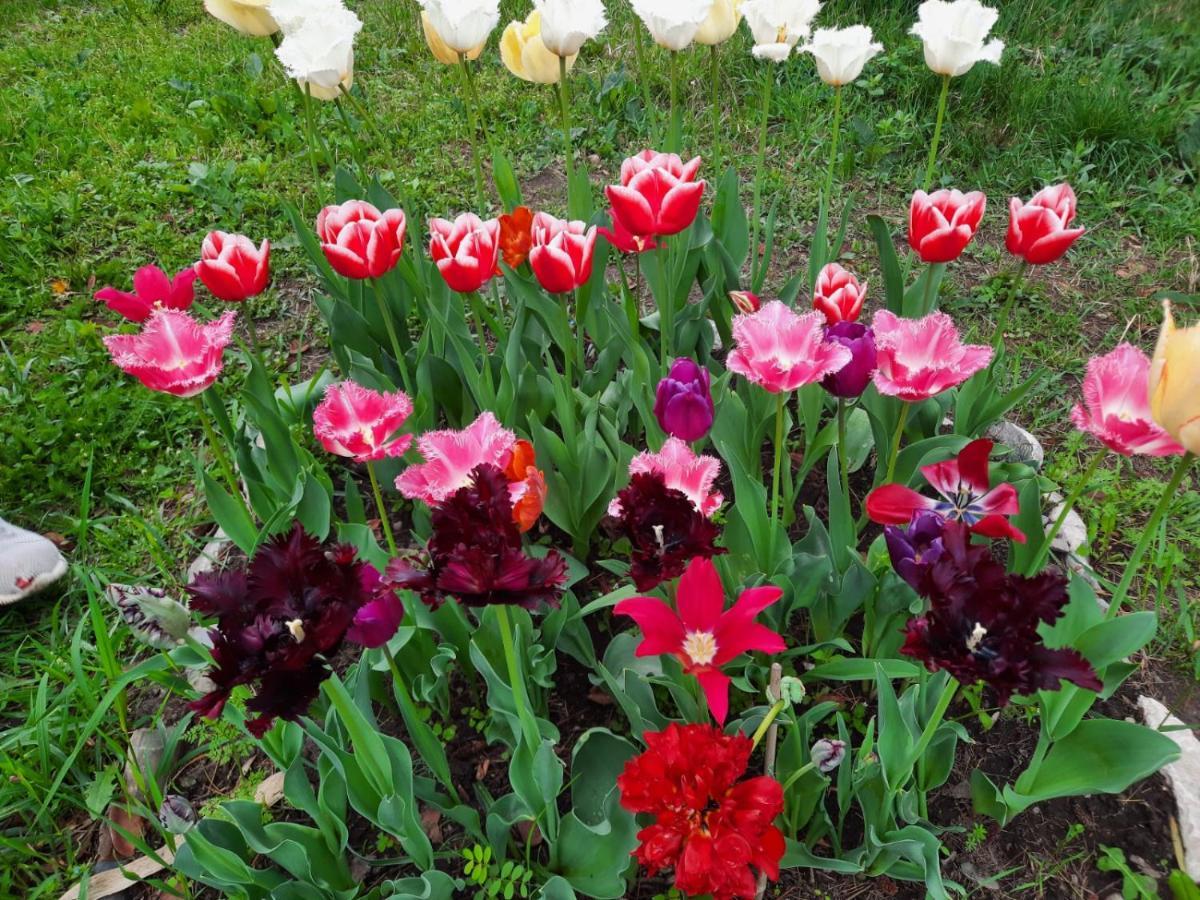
(683, 404)
(852, 379)
(916, 547)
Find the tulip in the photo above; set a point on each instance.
(566, 24)
(525, 55)
(562, 252)
(173, 353)
(152, 290)
(1037, 230)
(851, 379)
(359, 241)
(516, 236)
(683, 403)
(955, 35)
(619, 238)
(466, 251)
(838, 294)
(680, 469)
(827, 755)
(1175, 381)
(745, 301)
(232, 268)
(250, 17)
(442, 51)
(778, 25)
(672, 23)
(1116, 407)
(841, 53)
(721, 24)
(362, 424)
(921, 358)
(378, 620)
(177, 815)
(461, 26)
(319, 51)
(658, 194)
(941, 224)
(782, 351)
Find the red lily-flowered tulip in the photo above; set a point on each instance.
(1037, 230)
(967, 496)
(516, 236)
(466, 251)
(839, 295)
(562, 253)
(232, 268)
(359, 241)
(941, 224)
(620, 238)
(361, 424)
(658, 194)
(152, 289)
(703, 634)
(174, 353)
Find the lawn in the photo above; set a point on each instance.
(130, 129)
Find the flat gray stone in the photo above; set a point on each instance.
(1184, 777)
(1021, 444)
(210, 557)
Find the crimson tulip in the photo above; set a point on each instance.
(941, 224)
(561, 256)
(232, 268)
(152, 289)
(359, 241)
(658, 194)
(466, 251)
(1037, 230)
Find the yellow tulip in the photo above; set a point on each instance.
(442, 52)
(721, 24)
(1175, 381)
(525, 55)
(247, 16)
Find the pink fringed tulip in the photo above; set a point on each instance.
(703, 635)
(967, 496)
(780, 350)
(561, 256)
(838, 295)
(361, 424)
(466, 251)
(681, 470)
(232, 268)
(1116, 405)
(152, 290)
(920, 358)
(359, 241)
(658, 194)
(941, 224)
(619, 237)
(174, 353)
(1037, 230)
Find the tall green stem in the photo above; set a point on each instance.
(714, 58)
(1156, 517)
(381, 508)
(468, 96)
(675, 136)
(639, 51)
(1006, 310)
(393, 336)
(218, 450)
(929, 296)
(779, 408)
(833, 142)
(1076, 492)
(564, 108)
(937, 133)
(772, 714)
(306, 102)
(666, 308)
(895, 448)
(755, 223)
(841, 449)
(529, 726)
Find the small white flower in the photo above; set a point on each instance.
(463, 25)
(721, 24)
(672, 23)
(778, 25)
(319, 51)
(955, 35)
(566, 24)
(841, 53)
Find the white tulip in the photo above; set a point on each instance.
(319, 52)
(292, 14)
(247, 16)
(722, 22)
(672, 23)
(778, 25)
(566, 24)
(955, 35)
(841, 53)
(463, 25)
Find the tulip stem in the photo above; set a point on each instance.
(929, 297)
(772, 714)
(896, 438)
(218, 451)
(666, 308)
(841, 449)
(1150, 532)
(714, 58)
(401, 360)
(833, 142)
(1006, 310)
(564, 109)
(779, 408)
(755, 223)
(937, 133)
(581, 345)
(1077, 490)
(639, 51)
(381, 507)
(529, 726)
(473, 127)
(306, 102)
(630, 298)
(675, 134)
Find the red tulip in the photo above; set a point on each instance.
(839, 295)
(1037, 230)
(152, 289)
(232, 268)
(746, 302)
(467, 251)
(562, 253)
(658, 194)
(620, 238)
(359, 241)
(941, 224)
(174, 353)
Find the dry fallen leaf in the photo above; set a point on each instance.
(60, 286)
(481, 769)
(120, 818)
(600, 697)
(431, 824)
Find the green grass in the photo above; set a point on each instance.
(124, 139)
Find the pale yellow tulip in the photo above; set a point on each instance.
(442, 51)
(1175, 381)
(247, 16)
(525, 55)
(721, 24)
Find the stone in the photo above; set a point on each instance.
(1022, 446)
(1072, 536)
(1184, 778)
(212, 554)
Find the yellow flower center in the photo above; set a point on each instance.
(700, 647)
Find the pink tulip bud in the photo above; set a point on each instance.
(359, 241)
(561, 256)
(838, 294)
(1037, 230)
(941, 224)
(232, 268)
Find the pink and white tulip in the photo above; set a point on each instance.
(152, 290)
(451, 457)
(1038, 231)
(232, 268)
(941, 224)
(359, 241)
(1116, 405)
(362, 424)
(780, 350)
(173, 353)
(466, 251)
(658, 194)
(681, 470)
(562, 252)
(920, 358)
(839, 295)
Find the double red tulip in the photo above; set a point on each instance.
(839, 295)
(941, 224)
(466, 251)
(1037, 230)
(359, 241)
(561, 256)
(658, 194)
(232, 268)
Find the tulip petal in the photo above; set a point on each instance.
(701, 596)
(895, 504)
(715, 685)
(662, 630)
